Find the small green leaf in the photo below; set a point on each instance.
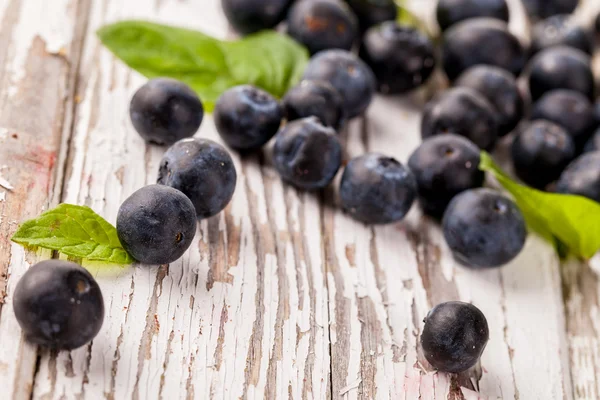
(269, 60)
(566, 220)
(75, 231)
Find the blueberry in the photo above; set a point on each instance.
(464, 112)
(59, 305)
(373, 12)
(315, 98)
(582, 177)
(307, 154)
(203, 170)
(249, 16)
(569, 109)
(444, 166)
(481, 41)
(165, 110)
(247, 117)
(594, 143)
(156, 224)
(559, 30)
(560, 67)
(349, 75)
(377, 189)
(541, 152)
(543, 9)
(450, 12)
(499, 88)
(402, 58)
(323, 24)
(483, 228)
(454, 336)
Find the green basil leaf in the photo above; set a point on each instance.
(567, 220)
(75, 231)
(269, 60)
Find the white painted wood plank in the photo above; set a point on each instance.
(36, 38)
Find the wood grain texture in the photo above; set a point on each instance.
(280, 296)
(38, 56)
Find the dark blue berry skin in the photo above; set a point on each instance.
(481, 41)
(307, 154)
(582, 177)
(543, 9)
(203, 170)
(350, 76)
(323, 24)
(559, 30)
(444, 166)
(569, 109)
(464, 112)
(156, 224)
(165, 110)
(454, 336)
(247, 117)
(315, 99)
(560, 67)
(377, 189)
(483, 228)
(541, 152)
(59, 305)
(402, 58)
(373, 12)
(500, 88)
(450, 12)
(249, 16)
(594, 143)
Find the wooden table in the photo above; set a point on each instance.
(281, 296)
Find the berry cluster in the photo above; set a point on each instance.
(357, 50)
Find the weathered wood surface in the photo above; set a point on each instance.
(282, 296)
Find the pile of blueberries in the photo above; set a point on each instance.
(357, 50)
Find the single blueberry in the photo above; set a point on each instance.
(445, 165)
(483, 228)
(454, 336)
(402, 58)
(594, 143)
(59, 305)
(543, 9)
(541, 152)
(560, 67)
(156, 224)
(307, 154)
(203, 170)
(569, 109)
(377, 189)
(464, 112)
(323, 24)
(582, 177)
(559, 30)
(315, 99)
(249, 16)
(500, 88)
(481, 41)
(373, 12)
(247, 117)
(165, 110)
(349, 75)
(450, 12)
